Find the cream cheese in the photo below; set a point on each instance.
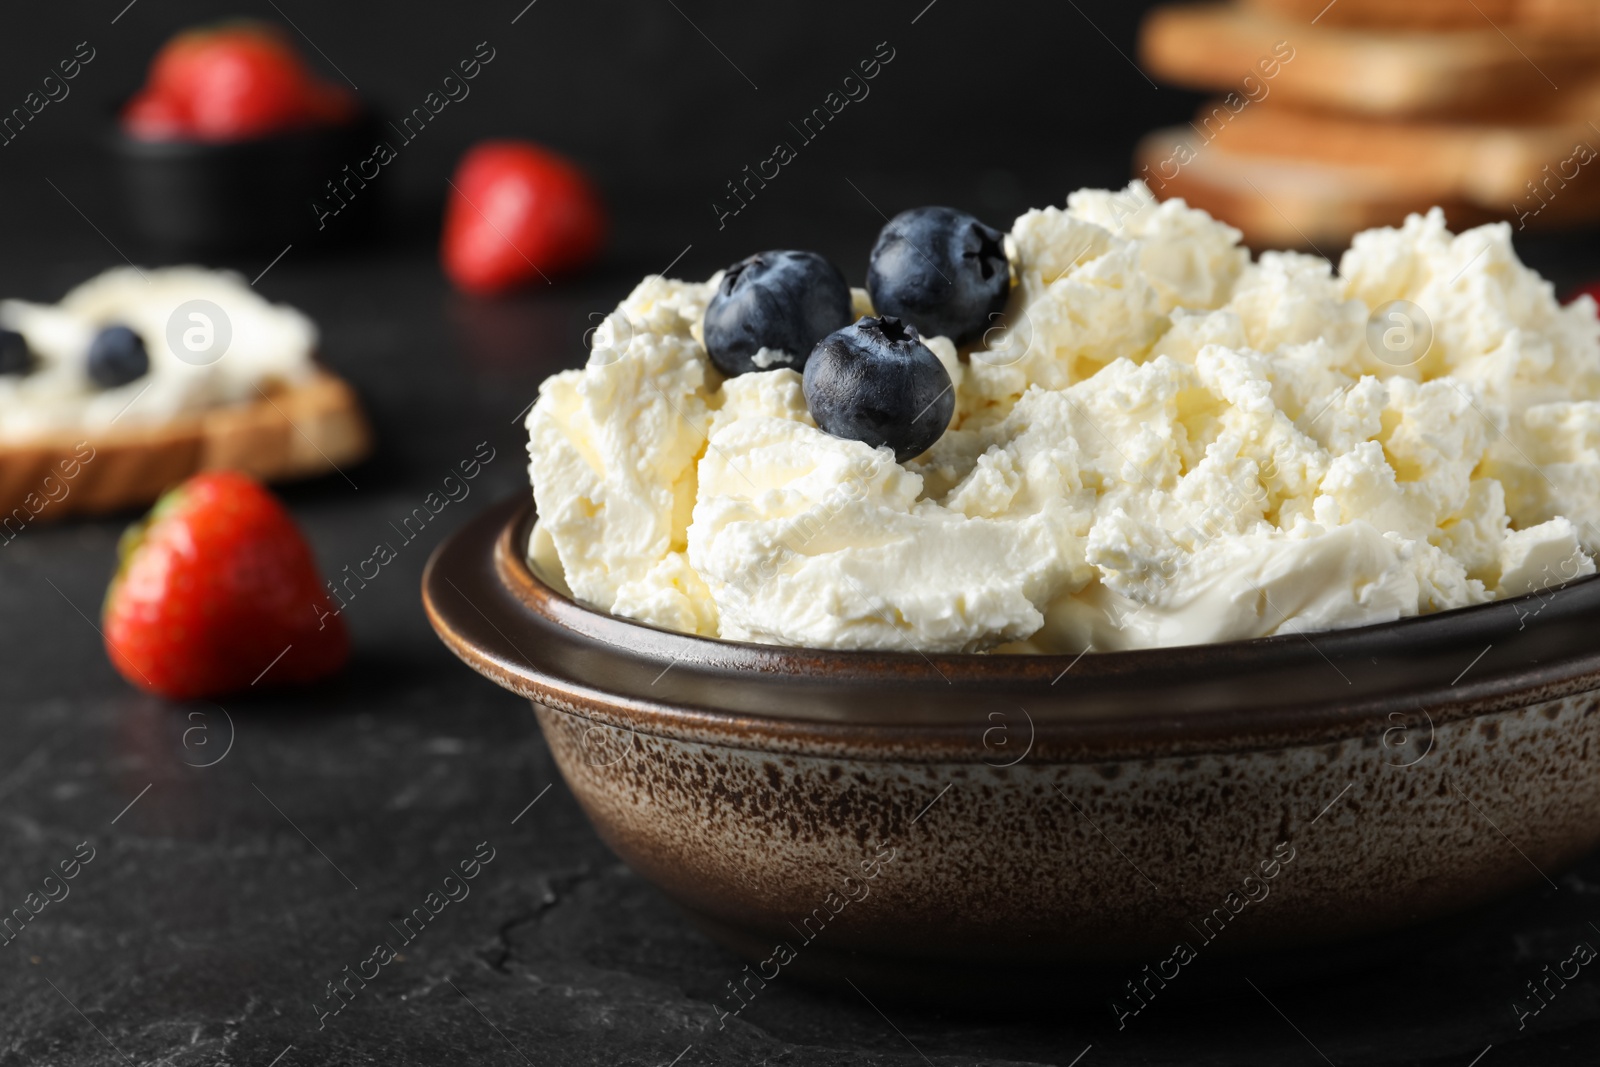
(1161, 442)
(267, 344)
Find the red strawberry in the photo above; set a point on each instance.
(231, 83)
(154, 117)
(518, 213)
(216, 590)
(171, 70)
(244, 85)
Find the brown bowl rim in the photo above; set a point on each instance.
(500, 618)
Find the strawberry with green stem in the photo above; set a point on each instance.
(217, 591)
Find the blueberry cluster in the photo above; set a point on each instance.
(116, 357)
(934, 271)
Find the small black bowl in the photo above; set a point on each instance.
(254, 196)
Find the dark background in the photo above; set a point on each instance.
(225, 897)
(997, 107)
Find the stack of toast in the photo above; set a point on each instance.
(1337, 116)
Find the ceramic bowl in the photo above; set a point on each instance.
(252, 196)
(950, 822)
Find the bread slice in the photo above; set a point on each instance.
(1374, 72)
(1321, 204)
(1499, 167)
(1509, 15)
(314, 427)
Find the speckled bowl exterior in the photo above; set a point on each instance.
(932, 822)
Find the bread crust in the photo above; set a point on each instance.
(295, 431)
(1372, 71)
(1319, 186)
(1530, 15)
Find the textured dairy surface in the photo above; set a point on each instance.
(269, 344)
(1161, 443)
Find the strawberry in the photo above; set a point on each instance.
(217, 589)
(229, 83)
(153, 117)
(518, 213)
(170, 71)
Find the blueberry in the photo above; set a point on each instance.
(117, 357)
(941, 270)
(877, 382)
(15, 356)
(786, 301)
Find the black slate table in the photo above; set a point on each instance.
(245, 854)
